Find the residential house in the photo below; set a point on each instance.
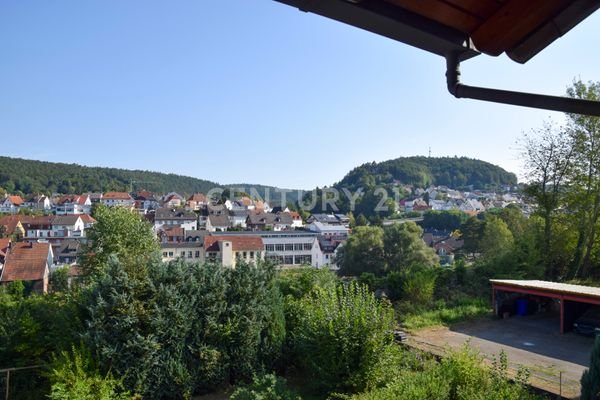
(117, 199)
(183, 218)
(196, 201)
(38, 202)
(296, 219)
(12, 225)
(29, 263)
(88, 220)
(54, 228)
(267, 221)
(11, 204)
(329, 219)
(237, 218)
(190, 251)
(231, 249)
(145, 201)
(328, 250)
(173, 200)
(171, 234)
(66, 252)
(217, 222)
(73, 204)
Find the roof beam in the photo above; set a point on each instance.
(392, 22)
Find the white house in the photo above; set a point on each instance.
(73, 204)
(11, 204)
(117, 199)
(186, 219)
(38, 202)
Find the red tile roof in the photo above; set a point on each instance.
(4, 243)
(87, 219)
(117, 196)
(16, 200)
(26, 262)
(73, 198)
(10, 222)
(239, 243)
(198, 197)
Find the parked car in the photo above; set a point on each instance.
(589, 322)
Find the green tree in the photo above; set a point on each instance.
(121, 233)
(547, 155)
(584, 133)
(497, 239)
(363, 252)
(403, 247)
(590, 380)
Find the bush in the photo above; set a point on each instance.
(265, 387)
(459, 376)
(75, 376)
(340, 337)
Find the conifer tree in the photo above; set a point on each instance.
(590, 380)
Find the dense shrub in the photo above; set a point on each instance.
(265, 387)
(75, 376)
(590, 380)
(340, 337)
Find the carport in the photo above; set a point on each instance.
(572, 299)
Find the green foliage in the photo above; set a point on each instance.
(379, 250)
(461, 375)
(424, 171)
(443, 314)
(121, 233)
(29, 176)
(32, 329)
(265, 387)
(418, 286)
(75, 376)
(444, 220)
(59, 280)
(300, 282)
(184, 328)
(590, 380)
(340, 337)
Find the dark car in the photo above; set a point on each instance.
(589, 322)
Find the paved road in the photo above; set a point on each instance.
(532, 341)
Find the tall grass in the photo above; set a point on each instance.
(442, 314)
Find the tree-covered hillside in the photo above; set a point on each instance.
(454, 172)
(30, 176)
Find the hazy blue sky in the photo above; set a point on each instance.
(250, 90)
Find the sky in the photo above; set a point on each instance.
(252, 91)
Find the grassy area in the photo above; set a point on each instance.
(443, 314)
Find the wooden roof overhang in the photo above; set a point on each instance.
(461, 29)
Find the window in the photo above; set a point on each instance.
(197, 255)
(307, 246)
(183, 253)
(269, 247)
(288, 260)
(289, 247)
(170, 254)
(189, 254)
(279, 247)
(245, 254)
(164, 254)
(251, 254)
(298, 246)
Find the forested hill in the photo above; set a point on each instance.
(29, 176)
(454, 172)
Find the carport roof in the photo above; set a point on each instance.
(555, 287)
